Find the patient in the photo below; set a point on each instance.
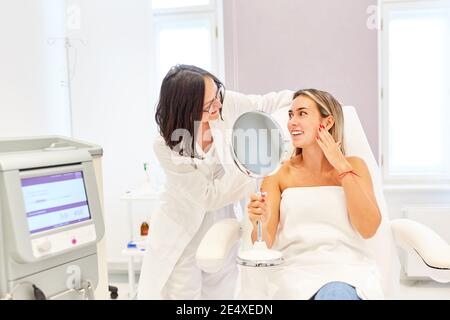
(319, 209)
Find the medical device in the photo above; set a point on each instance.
(258, 149)
(50, 219)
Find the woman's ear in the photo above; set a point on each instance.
(329, 122)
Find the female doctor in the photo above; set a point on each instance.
(202, 183)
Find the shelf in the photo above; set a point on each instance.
(142, 193)
(133, 252)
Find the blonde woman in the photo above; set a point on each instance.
(319, 210)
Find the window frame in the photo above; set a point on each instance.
(187, 9)
(214, 10)
(384, 131)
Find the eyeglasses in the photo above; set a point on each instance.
(220, 93)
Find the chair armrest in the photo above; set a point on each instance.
(434, 251)
(215, 246)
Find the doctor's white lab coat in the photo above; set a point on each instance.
(189, 193)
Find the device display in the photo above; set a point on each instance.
(54, 201)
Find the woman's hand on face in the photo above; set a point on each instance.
(257, 209)
(332, 150)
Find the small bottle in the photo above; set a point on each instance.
(144, 229)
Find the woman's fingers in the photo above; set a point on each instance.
(256, 205)
(321, 144)
(327, 140)
(321, 136)
(256, 197)
(258, 213)
(330, 138)
(325, 136)
(256, 210)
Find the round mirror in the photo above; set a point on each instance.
(258, 144)
(258, 149)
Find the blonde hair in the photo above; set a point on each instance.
(327, 105)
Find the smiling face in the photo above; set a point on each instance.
(310, 109)
(304, 121)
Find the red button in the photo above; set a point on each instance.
(74, 241)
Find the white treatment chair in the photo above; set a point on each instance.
(411, 236)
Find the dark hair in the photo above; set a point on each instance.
(181, 104)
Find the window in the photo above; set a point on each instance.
(187, 32)
(170, 4)
(415, 111)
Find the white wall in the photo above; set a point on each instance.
(33, 99)
(112, 105)
(109, 60)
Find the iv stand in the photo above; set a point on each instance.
(70, 75)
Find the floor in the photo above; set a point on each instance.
(409, 290)
(121, 282)
(424, 290)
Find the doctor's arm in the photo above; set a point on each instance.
(192, 184)
(266, 209)
(237, 103)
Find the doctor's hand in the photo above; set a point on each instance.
(332, 150)
(257, 209)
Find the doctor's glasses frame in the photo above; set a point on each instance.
(220, 95)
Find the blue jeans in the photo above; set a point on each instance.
(336, 291)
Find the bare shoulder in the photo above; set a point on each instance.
(358, 164)
(357, 161)
(285, 174)
(273, 181)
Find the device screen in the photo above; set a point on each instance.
(55, 200)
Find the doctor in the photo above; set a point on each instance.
(202, 183)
